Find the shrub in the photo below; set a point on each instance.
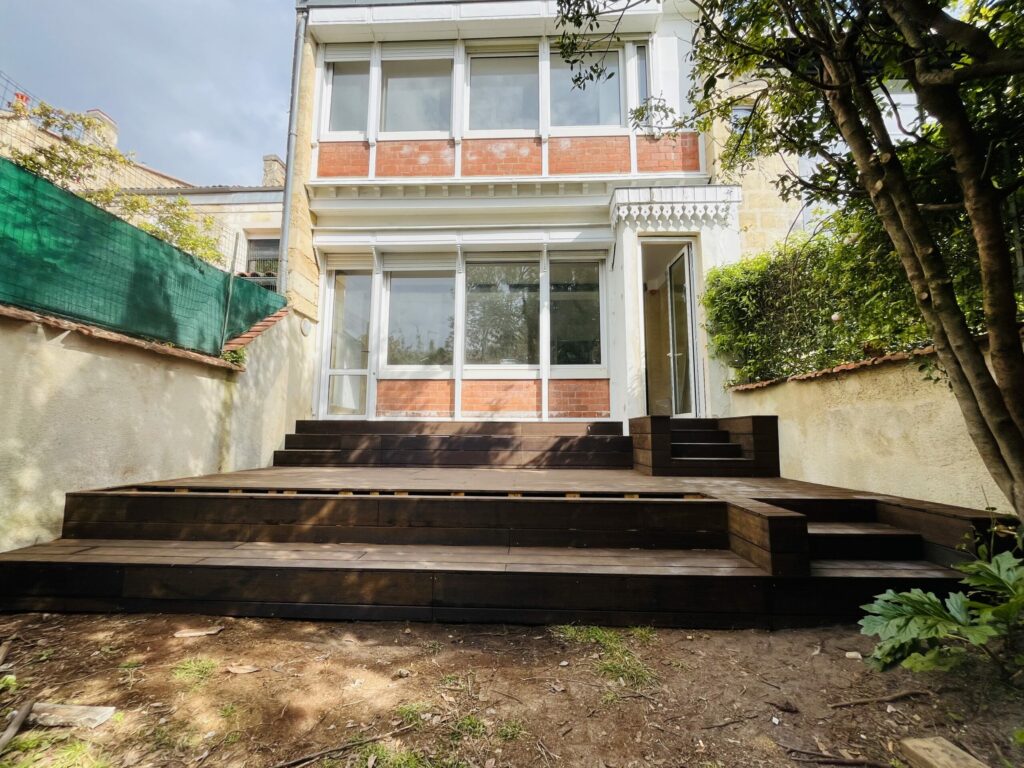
(817, 302)
(919, 631)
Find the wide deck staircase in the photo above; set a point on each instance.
(493, 522)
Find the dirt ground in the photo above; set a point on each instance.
(399, 695)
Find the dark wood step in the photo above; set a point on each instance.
(700, 436)
(830, 510)
(706, 451)
(447, 520)
(671, 588)
(567, 443)
(453, 458)
(514, 428)
(862, 541)
(694, 423)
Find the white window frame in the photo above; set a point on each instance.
(424, 52)
(622, 129)
(388, 371)
(459, 371)
(496, 370)
(593, 370)
(344, 54)
(502, 133)
(326, 371)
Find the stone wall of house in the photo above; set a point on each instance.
(879, 428)
(83, 413)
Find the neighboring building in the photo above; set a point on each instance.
(479, 239)
(246, 220)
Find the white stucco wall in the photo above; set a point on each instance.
(883, 429)
(81, 413)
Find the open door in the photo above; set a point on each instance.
(681, 323)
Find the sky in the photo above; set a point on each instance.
(199, 88)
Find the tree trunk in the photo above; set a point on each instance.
(988, 421)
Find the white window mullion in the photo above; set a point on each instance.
(373, 112)
(374, 336)
(545, 331)
(460, 99)
(545, 102)
(458, 354)
(632, 100)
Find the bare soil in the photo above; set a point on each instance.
(487, 696)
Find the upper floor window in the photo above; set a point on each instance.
(350, 95)
(504, 93)
(416, 95)
(599, 103)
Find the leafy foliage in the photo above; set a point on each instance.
(817, 302)
(919, 631)
(67, 150)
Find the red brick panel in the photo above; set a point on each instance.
(668, 153)
(578, 398)
(416, 158)
(420, 397)
(501, 157)
(344, 158)
(589, 154)
(485, 397)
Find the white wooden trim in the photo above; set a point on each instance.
(458, 361)
(544, 332)
(374, 336)
(578, 372)
(345, 52)
(415, 51)
(501, 372)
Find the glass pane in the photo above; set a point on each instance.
(421, 318)
(643, 86)
(503, 313)
(680, 337)
(350, 332)
(346, 395)
(597, 104)
(575, 314)
(503, 92)
(350, 92)
(417, 95)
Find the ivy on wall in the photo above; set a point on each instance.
(817, 302)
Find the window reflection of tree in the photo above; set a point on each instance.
(502, 313)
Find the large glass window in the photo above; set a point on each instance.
(503, 313)
(596, 104)
(417, 95)
(503, 92)
(575, 313)
(350, 92)
(421, 318)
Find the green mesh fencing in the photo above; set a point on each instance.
(61, 255)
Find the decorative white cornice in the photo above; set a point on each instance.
(675, 208)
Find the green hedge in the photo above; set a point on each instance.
(816, 303)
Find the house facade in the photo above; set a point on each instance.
(481, 240)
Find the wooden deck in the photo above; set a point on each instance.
(476, 544)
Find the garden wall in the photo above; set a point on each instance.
(81, 412)
(879, 428)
